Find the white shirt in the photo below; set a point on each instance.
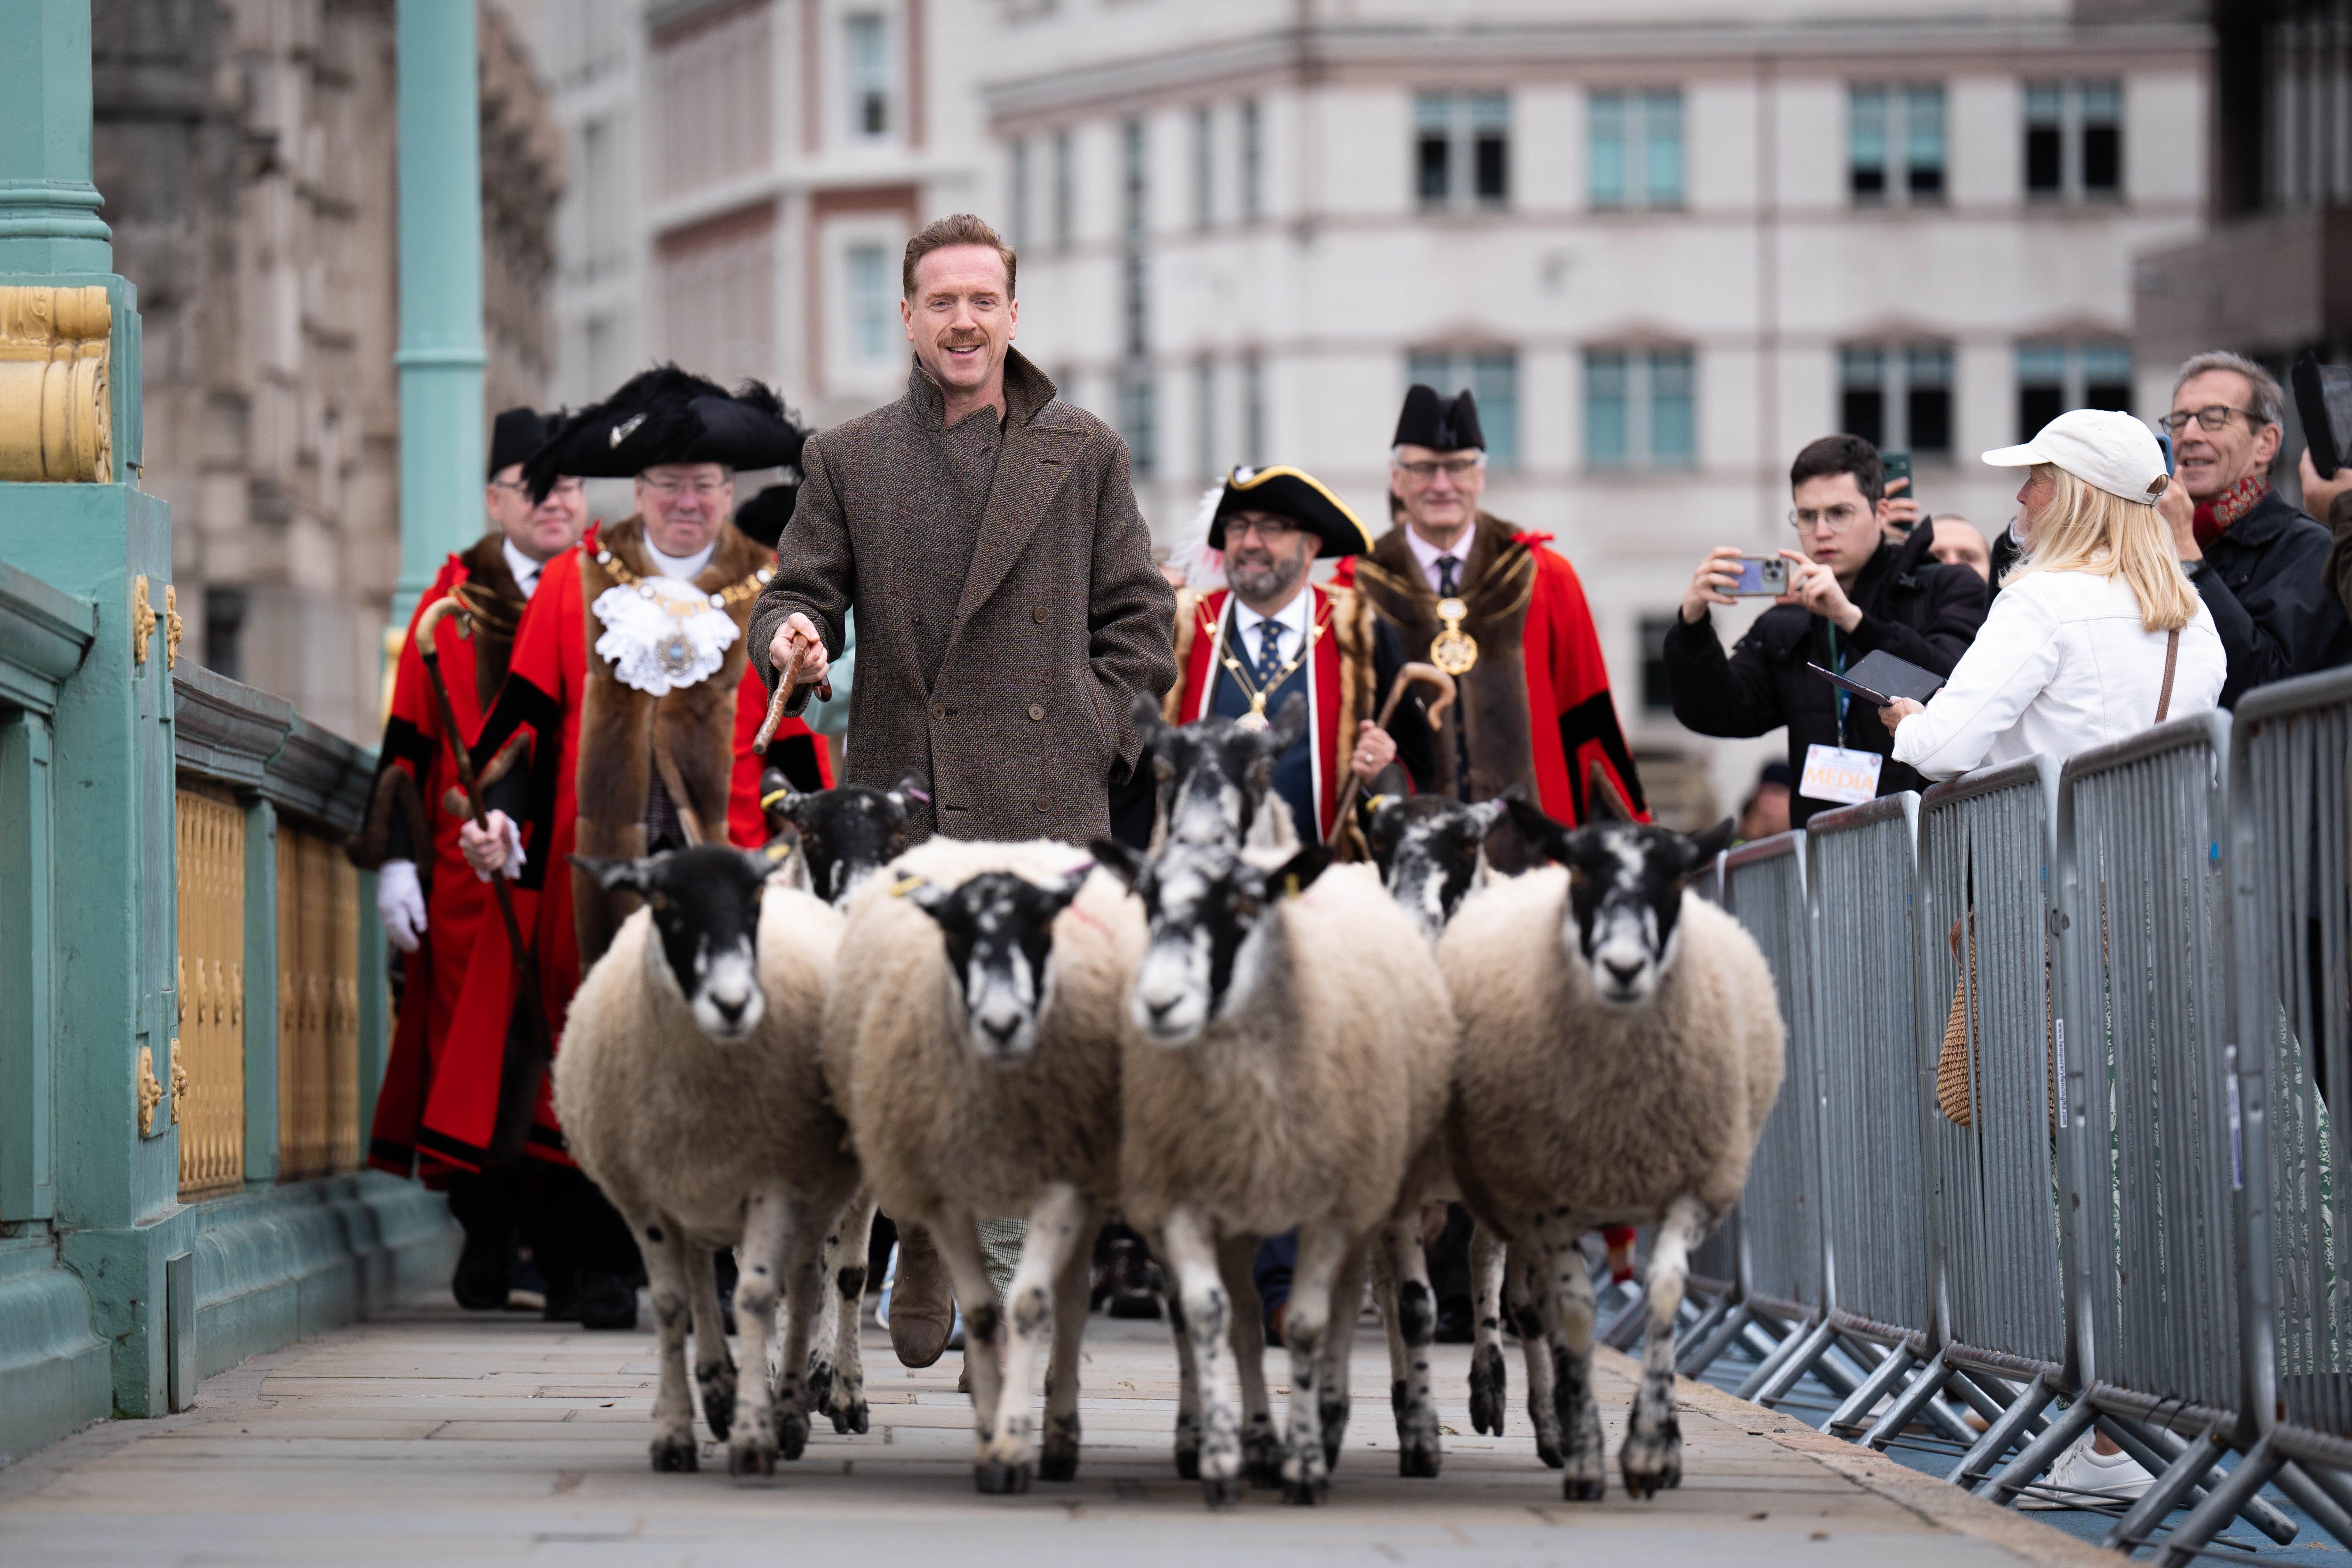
(684, 568)
(1427, 555)
(1293, 618)
(526, 571)
(2061, 665)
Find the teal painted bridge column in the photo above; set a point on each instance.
(441, 355)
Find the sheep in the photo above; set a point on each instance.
(1215, 780)
(974, 1047)
(691, 1091)
(1288, 1069)
(1620, 1048)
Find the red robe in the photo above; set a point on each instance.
(1567, 677)
(543, 697)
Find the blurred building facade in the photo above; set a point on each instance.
(1665, 241)
(245, 152)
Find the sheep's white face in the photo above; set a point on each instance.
(1210, 913)
(705, 914)
(997, 931)
(726, 998)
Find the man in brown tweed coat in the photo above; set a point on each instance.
(1008, 609)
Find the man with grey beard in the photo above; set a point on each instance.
(1244, 649)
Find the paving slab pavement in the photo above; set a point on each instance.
(441, 1438)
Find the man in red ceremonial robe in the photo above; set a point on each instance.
(431, 904)
(1503, 613)
(631, 678)
(1244, 649)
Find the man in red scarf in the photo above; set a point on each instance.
(632, 682)
(433, 908)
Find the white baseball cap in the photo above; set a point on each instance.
(2099, 447)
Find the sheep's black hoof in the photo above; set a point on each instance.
(791, 1433)
(994, 1477)
(1058, 1459)
(1332, 1416)
(1188, 1462)
(853, 1417)
(1415, 1460)
(1262, 1463)
(1055, 1465)
(1306, 1494)
(1221, 1491)
(1488, 1382)
(1579, 1489)
(672, 1454)
(751, 1460)
(1549, 1454)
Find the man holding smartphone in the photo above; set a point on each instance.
(1851, 591)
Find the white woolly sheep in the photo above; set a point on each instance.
(1621, 1048)
(1263, 1092)
(974, 1047)
(691, 1090)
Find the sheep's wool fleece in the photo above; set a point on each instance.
(1562, 1099)
(666, 1119)
(936, 1125)
(1322, 1099)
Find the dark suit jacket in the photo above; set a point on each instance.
(1059, 622)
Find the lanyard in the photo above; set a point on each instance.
(1837, 662)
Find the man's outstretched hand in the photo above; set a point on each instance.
(797, 653)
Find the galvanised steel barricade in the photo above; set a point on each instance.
(2150, 1139)
(2290, 860)
(1987, 846)
(1779, 1233)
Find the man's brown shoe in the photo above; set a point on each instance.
(922, 1313)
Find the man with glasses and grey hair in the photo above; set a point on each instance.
(2258, 563)
(1851, 591)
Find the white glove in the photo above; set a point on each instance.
(400, 900)
(498, 850)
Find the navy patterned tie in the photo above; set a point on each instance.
(1446, 566)
(1269, 656)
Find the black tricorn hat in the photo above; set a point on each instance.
(1293, 493)
(763, 517)
(669, 415)
(1439, 424)
(515, 435)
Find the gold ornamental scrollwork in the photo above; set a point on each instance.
(143, 620)
(151, 1092)
(179, 1081)
(172, 626)
(54, 347)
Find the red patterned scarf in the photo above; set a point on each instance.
(2214, 517)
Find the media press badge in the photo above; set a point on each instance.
(1836, 772)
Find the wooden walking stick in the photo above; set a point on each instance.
(540, 1042)
(776, 701)
(1410, 675)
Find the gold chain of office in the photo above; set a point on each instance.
(726, 598)
(1256, 718)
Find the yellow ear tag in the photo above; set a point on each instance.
(906, 885)
(771, 797)
(1376, 803)
(779, 850)
(1290, 886)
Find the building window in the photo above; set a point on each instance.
(1204, 169)
(1065, 189)
(224, 616)
(1253, 163)
(1897, 397)
(2073, 140)
(1634, 149)
(1020, 195)
(1463, 149)
(1254, 412)
(2053, 376)
(866, 51)
(1204, 419)
(1641, 408)
(1492, 376)
(1657, 692)
(1137, 419)
(870, 316)
(1894, 143)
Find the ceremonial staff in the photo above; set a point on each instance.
(1415, 674)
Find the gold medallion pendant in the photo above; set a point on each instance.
(1454, 650)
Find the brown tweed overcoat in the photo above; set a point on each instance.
(1059, 622)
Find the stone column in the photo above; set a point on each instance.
(441, 355)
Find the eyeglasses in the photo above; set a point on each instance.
(1805, 520)
(1269, 529)
(2212, 417)
(670, 489)
(1452, 467)
(568, 489)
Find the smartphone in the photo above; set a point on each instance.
(2163, 442)
(2323, 397)
(1898, 466)
(1762, 576)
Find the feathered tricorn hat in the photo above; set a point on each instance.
(1295, 494)
(669, 415)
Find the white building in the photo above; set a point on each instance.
(1665, 241)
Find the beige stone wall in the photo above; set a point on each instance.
(246, 150)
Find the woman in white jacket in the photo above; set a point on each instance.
(2096, 632)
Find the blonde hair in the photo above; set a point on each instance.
(2086, 528)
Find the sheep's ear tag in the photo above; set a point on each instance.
(779, 850)
(906, 885)
(1290, 886)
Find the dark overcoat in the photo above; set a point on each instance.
(1058, 623)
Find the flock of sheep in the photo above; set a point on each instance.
(1226, 1038)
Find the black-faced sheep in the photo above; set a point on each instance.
(1621, 1048)
(1215, 780)
(1262, 1095)
(691, 1090)
(974, 1047)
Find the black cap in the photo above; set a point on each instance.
(515, 435)
(763, 517)
(1442, 425)
(1295, 494)
(1777, 772)
(669, 415)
